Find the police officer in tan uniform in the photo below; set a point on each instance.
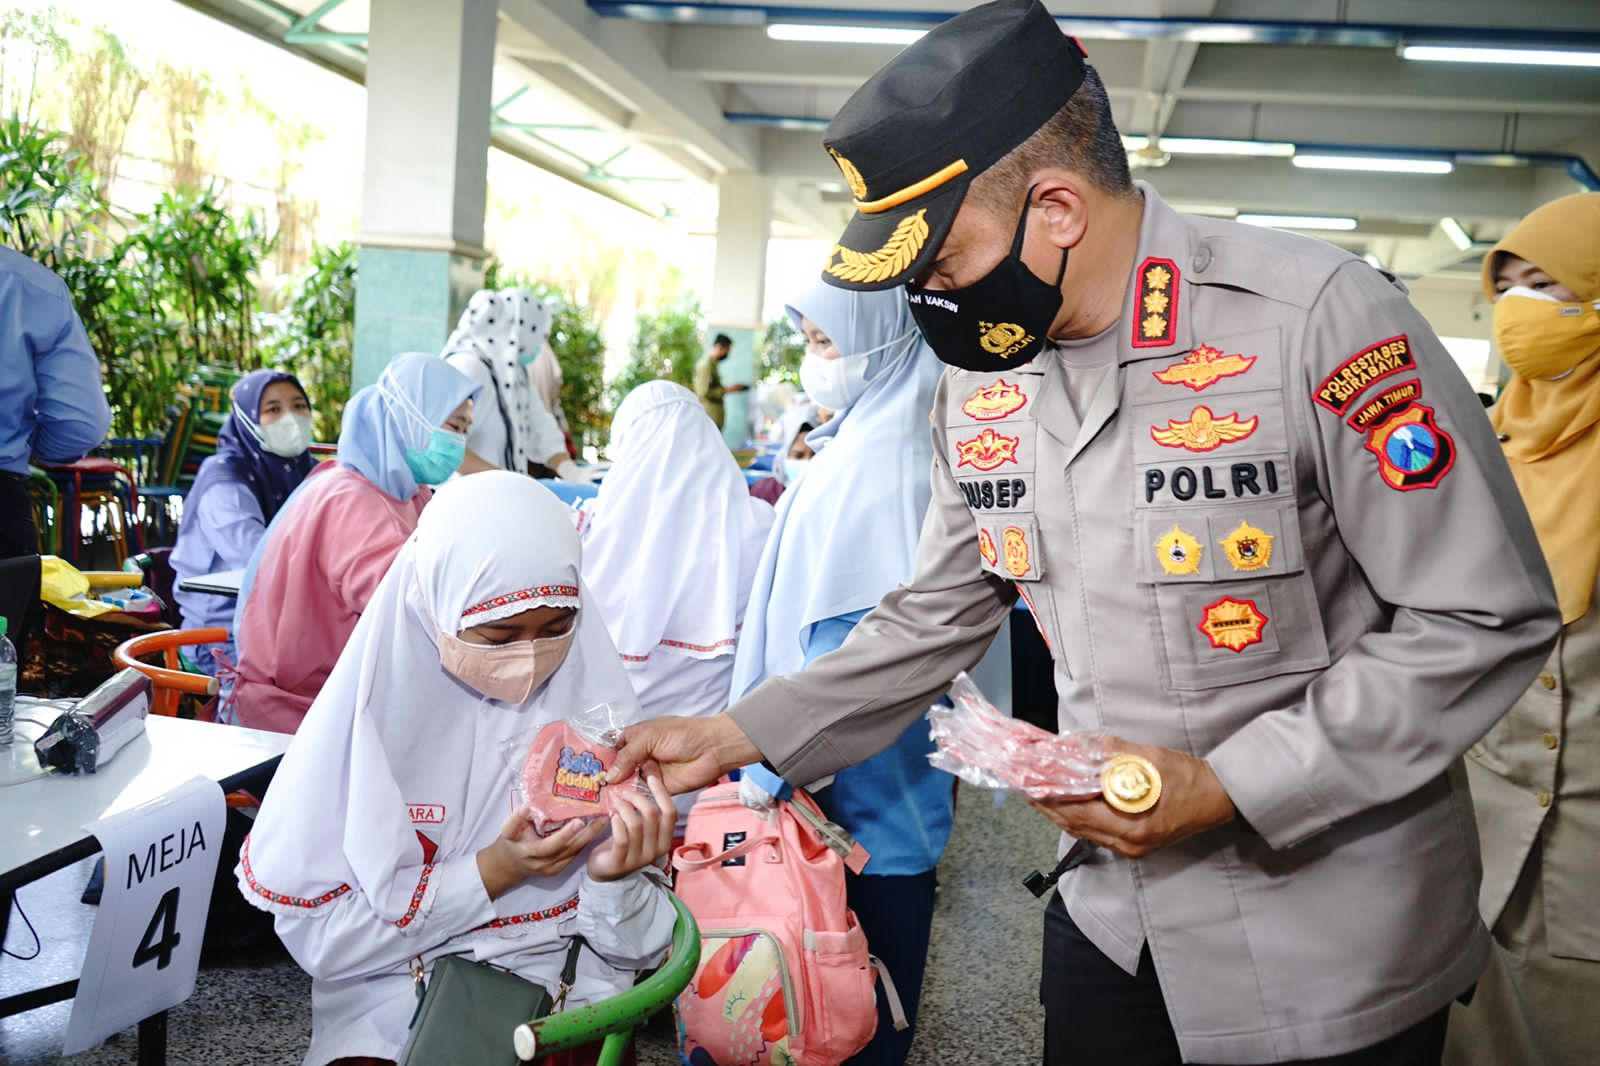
(1261, 521)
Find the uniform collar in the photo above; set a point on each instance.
(1156, 311)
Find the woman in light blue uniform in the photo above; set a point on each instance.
(846, 533)
(263, 453)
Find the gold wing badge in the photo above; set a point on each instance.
(1204, 431)
(897, 253)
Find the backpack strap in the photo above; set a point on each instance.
(681, 860)
(891, 996)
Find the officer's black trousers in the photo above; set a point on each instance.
(17, 533)
(1095, 1012)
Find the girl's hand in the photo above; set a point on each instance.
(520, 853)
(641, 830)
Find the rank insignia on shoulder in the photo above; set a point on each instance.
(986, 548)
(1014, 542)
(1248, 548)
(1203, 431)
(1340, 389)
(1155, 314)
(994, 402)
(1413, 452)
(1233, 624)
(1204, 367)
(987, 451)
(1178, 552)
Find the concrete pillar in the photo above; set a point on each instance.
(739, 282)
(429, 70)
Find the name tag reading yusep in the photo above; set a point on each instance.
(564, 777)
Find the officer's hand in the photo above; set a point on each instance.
(1192, 801)
(692, 752)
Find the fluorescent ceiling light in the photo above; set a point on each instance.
(1211, 146)
(1328, 222)
(1458, 236)
(1539, 57)
(1377, 163)
(822, 34)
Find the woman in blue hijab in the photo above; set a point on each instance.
(321, 561)
(846, 533)
(263, 453)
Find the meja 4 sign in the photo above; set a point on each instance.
(144, 952)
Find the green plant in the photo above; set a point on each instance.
(666, 345)
(780, 352)
(48, 195)
(314, 337)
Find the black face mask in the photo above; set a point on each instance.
(999, 321)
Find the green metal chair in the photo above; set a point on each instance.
(616, 1018)
(46, 500)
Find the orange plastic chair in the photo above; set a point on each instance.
(169, 681)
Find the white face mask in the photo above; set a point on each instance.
(288, 437)
(791, 468)
(834, 383)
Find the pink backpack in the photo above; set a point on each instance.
(784, 976)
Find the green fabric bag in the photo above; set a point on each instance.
(469, 1010)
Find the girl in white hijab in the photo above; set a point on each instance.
(670, 547)
(500, 335)
(385, 838)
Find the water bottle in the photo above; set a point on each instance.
(8, 685)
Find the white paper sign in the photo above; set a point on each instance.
(144, 952)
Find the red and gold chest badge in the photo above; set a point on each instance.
(1248, 548)
(1179, 552)
(986, 548)
(994, 402)
(1413, 452)
(1204, 367)
(1203, 431)
(1155, 315)
(987, 450)
(1015, 544)
(1233, 624)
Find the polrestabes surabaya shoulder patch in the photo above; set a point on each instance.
(1340, 389)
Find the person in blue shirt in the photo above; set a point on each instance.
(846, 533)
(52, 406)
(263, 453)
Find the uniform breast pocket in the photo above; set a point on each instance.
(1231, 591)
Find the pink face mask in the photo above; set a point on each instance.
(509, 673)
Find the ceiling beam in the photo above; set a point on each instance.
(629, 60)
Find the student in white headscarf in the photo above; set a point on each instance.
(545, 373)
(500, 335)
(670, 547)
(846, 534)
(388, 835)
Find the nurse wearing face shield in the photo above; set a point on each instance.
(1536, 775)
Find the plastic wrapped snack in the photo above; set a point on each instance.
(564, 770)
(986, 748)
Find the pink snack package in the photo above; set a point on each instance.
(564, 777)
(986, 748)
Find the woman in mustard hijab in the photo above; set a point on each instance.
(1536, 775)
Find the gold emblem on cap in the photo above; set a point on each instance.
(1179, 553)
(1248, 548)
(852, 176)
(1002, 338)
(1130, 783)
(896, 255)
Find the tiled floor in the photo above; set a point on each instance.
(979, 1004)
